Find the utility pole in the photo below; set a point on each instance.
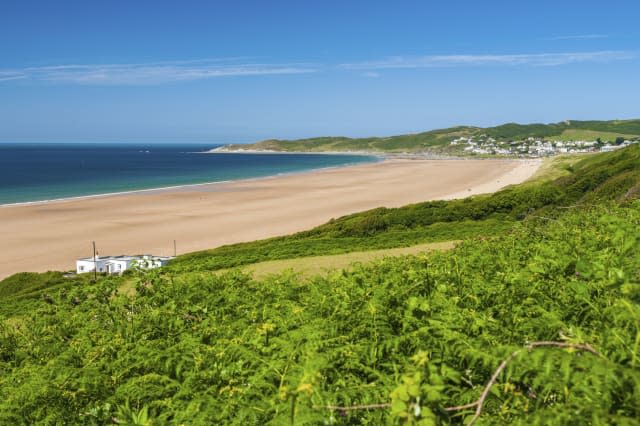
(95, 264)
(174, 248)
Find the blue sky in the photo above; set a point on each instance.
(240, 71)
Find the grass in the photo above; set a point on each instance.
(310, 266)
(315, 265)
(556, 167)
(590, 135)
(128, 286)
(354, 233)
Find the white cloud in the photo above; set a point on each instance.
(538, 59)
(579, 37)
(155, 73)
(11, 75)
(151, 73)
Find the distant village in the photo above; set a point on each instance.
(534, 147)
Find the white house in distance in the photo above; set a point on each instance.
(119, 264)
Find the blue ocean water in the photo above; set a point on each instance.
(37, 172)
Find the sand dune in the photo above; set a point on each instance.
(50, 236)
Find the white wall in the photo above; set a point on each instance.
(110, 265)
(83, 266)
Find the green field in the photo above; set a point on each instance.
(590, 135)
(305, 267)
(533, 318)
(316, 265)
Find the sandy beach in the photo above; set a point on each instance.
(51, 235)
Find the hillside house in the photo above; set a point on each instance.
(119, 264)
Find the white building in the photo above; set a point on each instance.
(119, 264)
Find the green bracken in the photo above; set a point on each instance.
(553, 297)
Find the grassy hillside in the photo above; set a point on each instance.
(613, 176)
(551, 289)
(313, 265)
(590, 135)
(436, 139)
(413, 337)
(20, 291)
(410, 142)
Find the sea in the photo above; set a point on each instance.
(42, 172)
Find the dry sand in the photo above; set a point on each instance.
(50, 236)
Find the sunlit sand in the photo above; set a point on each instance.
(50, 236)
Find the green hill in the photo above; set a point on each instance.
(549, 288)
(437, 139)
(613, 176)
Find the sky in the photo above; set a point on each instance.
(241, 71)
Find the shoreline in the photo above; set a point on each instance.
(380, 157)
(381, 154)
(187, 185)
(419, 155)
(223, 150)
(52, 235)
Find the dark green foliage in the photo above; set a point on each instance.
(306, 244)
(25, 283)
(18, 291)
